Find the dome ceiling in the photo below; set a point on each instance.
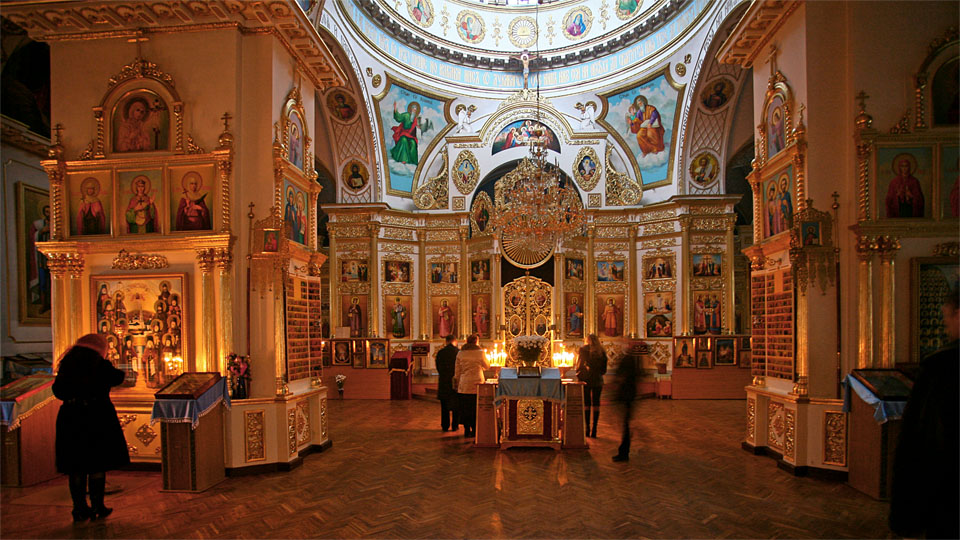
(444, 39)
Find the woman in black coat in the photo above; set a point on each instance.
(591, 367)
(89, 437)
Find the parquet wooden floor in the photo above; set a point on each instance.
(392, 473)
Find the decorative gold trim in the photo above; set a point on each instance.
(433, 195)
(751, 420)
(253, 429)
(529, 417)
(291, 425)
(587, 184)
(127, 261)
(835, 438)
(789, 437)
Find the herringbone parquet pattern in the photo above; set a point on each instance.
(391, 473)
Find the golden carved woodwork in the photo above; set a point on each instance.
(466, 181)
(323, 418)
(776, 425)
(128, 261)
(751, 420)
(253, 428)
(790, 433)
(303, 422)
(587, 183)
(434, 193)
(529, 417)
(947, 249)
(660, 243)
(291, 428)
(394, 289)
(835, 438)
(620, 189)
(755, 29)
(394, 233)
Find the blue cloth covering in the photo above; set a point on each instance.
(884, 410)
(546, 387)
(190, 410)
(6, 412)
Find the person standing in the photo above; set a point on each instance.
(627, 373)
(591, 367)
(924, 495)
(446, 366)
(89, 439)
(468, 374)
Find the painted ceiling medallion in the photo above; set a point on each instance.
(523, 32)
(470, 27)
(421, 12)
(627, 8)
(577, 22)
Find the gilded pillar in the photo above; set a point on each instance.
(373, 266)
(731, 285)
(224, 261)
(633, 294)
(802, 365)
(463, 287)
(334, 272)
(56, 170)
(76, 298)
(207, 359)
(590, 309)
(423, 297)
(224, 157)
(865, 249)
(497, 297)
(280, 346)
(59, 265)
(685, 273)
(888, 246)
(314, 195)
(558, 276)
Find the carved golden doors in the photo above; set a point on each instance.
(527, 310)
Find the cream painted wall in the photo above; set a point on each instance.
(18, 166)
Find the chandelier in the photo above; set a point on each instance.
(534, 208)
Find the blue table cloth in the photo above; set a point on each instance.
(884, 410)
(547, 387)
(190, 410)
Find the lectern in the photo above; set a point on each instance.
(28, 414)
(191, 431)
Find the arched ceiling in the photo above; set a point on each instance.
(478, 44)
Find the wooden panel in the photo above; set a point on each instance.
(872, 447)
(28, 452)
(723, 382)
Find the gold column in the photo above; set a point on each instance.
(207, 360)
(589, 310)
(684, 274)
(280, 347)
(224, 261)
(497, 296)
(463, 285)
(888, 245)
(76, 298)
(731, 285)
(802, 343)
(865, 249)
(334, 271)
(424, 310)
(59, 265)
(558, 276)
(373, 265)
(634, 296)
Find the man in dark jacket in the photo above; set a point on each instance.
(446, 365)
(627, 374)
(924, 498)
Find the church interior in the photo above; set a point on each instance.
(276, 210)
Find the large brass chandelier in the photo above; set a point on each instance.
(534, 208)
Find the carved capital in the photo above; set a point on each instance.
(865, 248)
(223, 257)
(205, 260)
(887, 246)
(63, 264)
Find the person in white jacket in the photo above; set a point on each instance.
(468, 374)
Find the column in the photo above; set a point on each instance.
(59, 265)
(496, 296)
(730, 315)
(634, 294)
(683, 255)
(888, 245)
(559, 272)
(865, 249)
(334, 273)
(224, 261)
(280, 347)
(373, 266)
(423, 310)
(590, 309)
(76, 298)
(206, 360)
(463, 284)
(801, 345)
